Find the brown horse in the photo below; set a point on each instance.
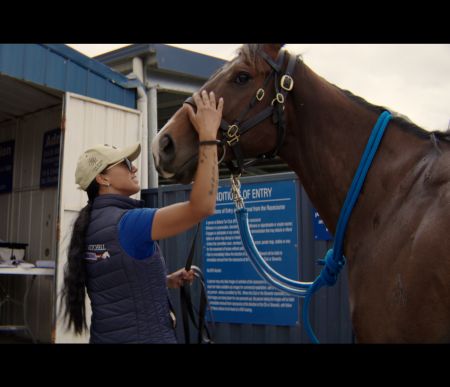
(397, 242)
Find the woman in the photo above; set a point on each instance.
(113, 253)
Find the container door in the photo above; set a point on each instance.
(87, 122)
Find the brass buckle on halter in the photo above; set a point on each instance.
(260, 94)
(279, 98)
(287, 83)
(232, 134)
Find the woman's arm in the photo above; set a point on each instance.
(179, 217)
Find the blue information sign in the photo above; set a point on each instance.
(320, 230)
(50, 158)
(237, 294)
(6, 166)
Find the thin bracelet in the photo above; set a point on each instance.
(210, 142)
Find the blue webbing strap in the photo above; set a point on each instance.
(334, 259)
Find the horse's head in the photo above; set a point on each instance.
(247, 86)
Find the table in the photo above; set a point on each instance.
(5, 297)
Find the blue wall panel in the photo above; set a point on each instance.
(96, 86)
(56, 72)
(114, 93)
(35, 63)
(12, 60)
(76, 79)
(129, 99)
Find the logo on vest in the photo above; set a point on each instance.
(97, 252)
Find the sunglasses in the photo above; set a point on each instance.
(125, 162)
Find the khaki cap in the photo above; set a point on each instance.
(95, 160)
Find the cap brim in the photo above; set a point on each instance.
(131, 152)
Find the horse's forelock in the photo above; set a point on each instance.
(249, 54)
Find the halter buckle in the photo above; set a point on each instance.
(279, 98)
(232, 134)
(260, 94)
(287, 83)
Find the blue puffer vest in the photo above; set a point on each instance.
(129, 297)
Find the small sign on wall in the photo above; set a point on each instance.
(50, 158)
(321, 232)
(236, 293)
(6, 166)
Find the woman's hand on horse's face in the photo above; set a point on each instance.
(209, 114)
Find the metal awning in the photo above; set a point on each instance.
(59, 68)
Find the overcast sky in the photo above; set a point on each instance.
(412, 79)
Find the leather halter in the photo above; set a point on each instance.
(231, 133)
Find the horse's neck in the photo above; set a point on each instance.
(326, 138)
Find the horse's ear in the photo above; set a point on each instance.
(272, 49)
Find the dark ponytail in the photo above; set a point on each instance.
(74, 290)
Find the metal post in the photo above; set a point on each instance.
(142, 103)
(152, 98)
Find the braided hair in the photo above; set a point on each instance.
(74, 290)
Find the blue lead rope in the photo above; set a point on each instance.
(334, 259)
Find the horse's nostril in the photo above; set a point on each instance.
(167, 148)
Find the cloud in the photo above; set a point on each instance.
(91, 49)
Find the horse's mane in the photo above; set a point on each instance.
(401, 120)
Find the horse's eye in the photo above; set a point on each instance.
(242, 78)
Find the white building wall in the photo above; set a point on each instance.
(88, 122)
